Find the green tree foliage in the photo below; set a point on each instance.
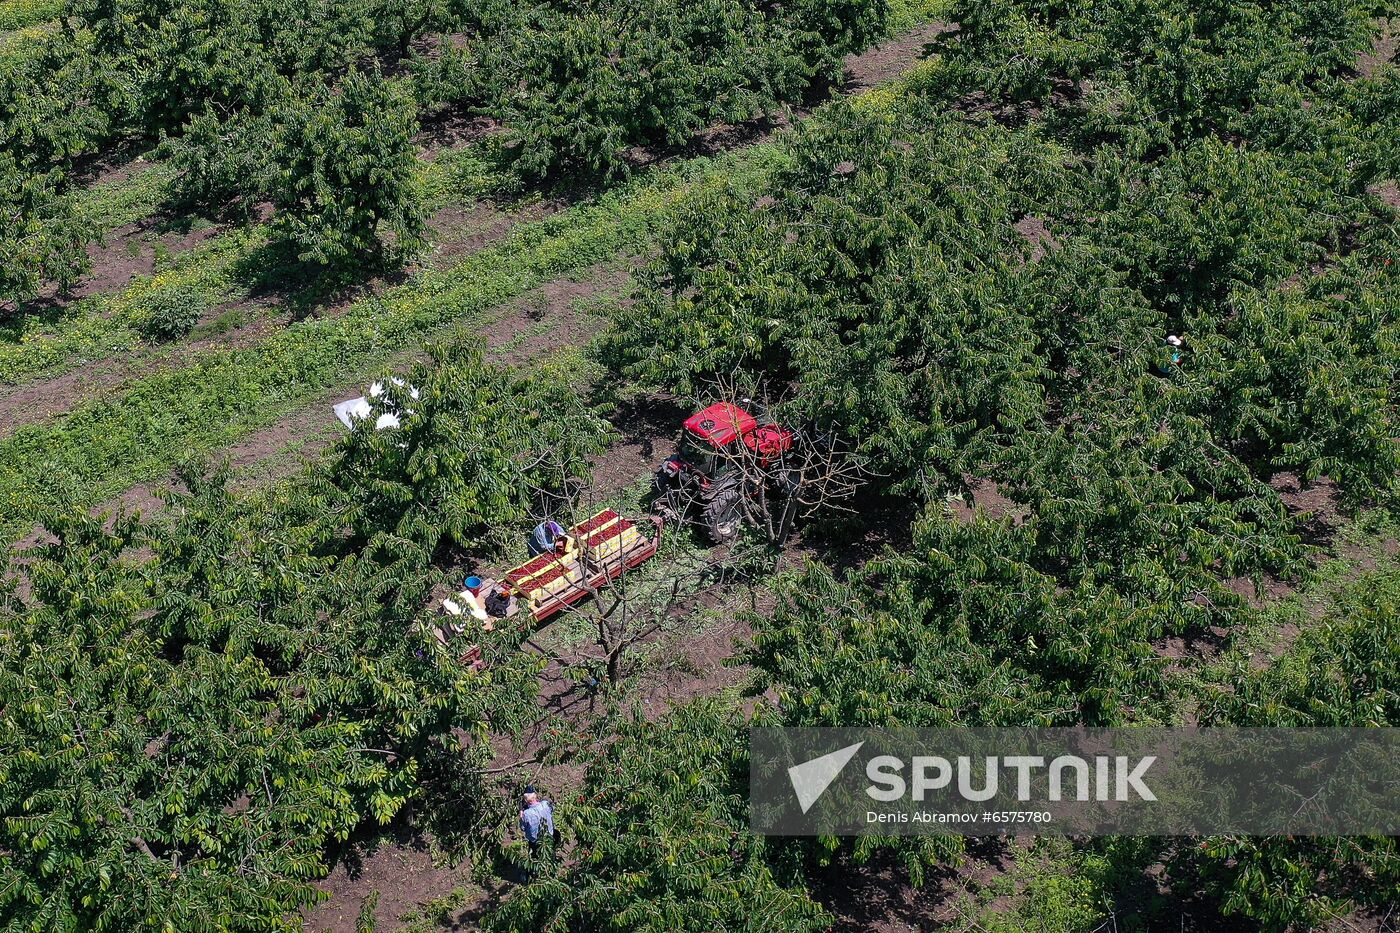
(40, 238)
(222, 163)
(172, 313)
(883, 279)
(1341, 672)
(613, 75)
(184, 732)
(580, 85)
(659, 842)
(173, 59)
(478, 450)
(54, 101)
(346, 181)
(968, 632)
(49, 117)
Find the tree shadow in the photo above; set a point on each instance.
(876, 894)
(16, 317)
(845, 540)
(642, 420)
(89, 167)
(369, 837)
(275, 272)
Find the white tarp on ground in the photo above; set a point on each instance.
(357, 409)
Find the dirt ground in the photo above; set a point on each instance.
(1038, 235)
(1383, 48)
(402, 873)
(1389, 192)
(1317, 503)
(890, 59)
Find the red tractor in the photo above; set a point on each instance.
(725, 462)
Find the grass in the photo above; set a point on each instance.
(222, 323)
(1049, 887)
(102, 448)
(46, 344)
(115, 203)
(440, 912)
(906, 14)
(21, 14)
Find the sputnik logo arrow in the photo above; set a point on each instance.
(811, 778)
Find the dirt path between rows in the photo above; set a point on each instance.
(457, 231)
(889, 60)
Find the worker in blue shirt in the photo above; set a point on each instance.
(536, 819)
(541, 540)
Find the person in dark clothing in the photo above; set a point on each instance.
(499, 601)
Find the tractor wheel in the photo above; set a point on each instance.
(723, 516)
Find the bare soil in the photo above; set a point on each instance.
(402, 872)
(888, 60)
(1037, 234)
(648, 429)
(458, 231)
(1383, 48)
(1316, 504)
(1388, 191)
(451, 130)
(877, 898)
(131, 250)
(987, 497)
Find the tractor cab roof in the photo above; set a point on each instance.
(721, 424)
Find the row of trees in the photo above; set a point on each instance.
(195, 707)
(577, 86)
(262, 102)
(331, 147)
